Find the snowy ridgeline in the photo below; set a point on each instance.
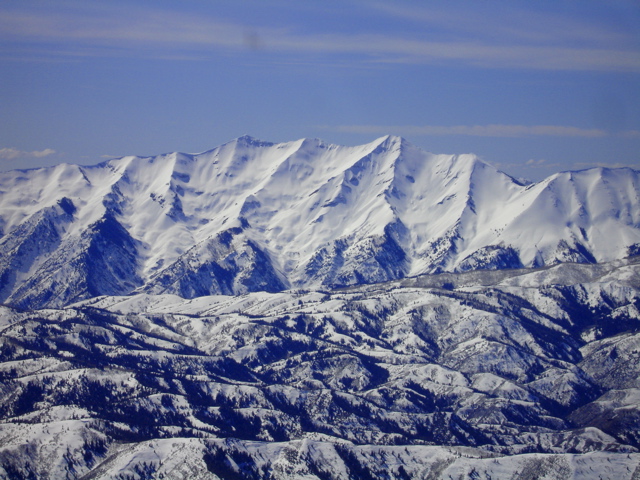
(522, 374)
(254, 216)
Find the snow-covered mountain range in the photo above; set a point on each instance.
(513, 374)
(252, 216)
(312, 311)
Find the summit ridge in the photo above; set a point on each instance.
(252, 216)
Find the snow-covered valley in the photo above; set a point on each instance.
(513, 371)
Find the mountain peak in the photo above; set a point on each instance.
(310, 215)
(391, 141)
(249, 141)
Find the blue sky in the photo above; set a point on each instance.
(531, 87)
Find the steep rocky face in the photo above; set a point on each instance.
(102, 260)
(228, 264)
(31, 242)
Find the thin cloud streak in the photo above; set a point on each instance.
(382, 48)
(583, 165)
(475, 130)
(141, 28)
(529, 166)
(11, 153)
(164, 32)
(513, 27)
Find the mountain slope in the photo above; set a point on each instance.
(256, 216)
(508, 374)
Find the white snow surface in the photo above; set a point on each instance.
(297, 199)
(499, 350)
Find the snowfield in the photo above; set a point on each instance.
(255, 216)
(312, 311)
(401, 380)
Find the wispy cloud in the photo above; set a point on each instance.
(104, 27)
(11, 153)
(535, 162)
(582, 165)
(474, 130)
(515, 26)
(530, 166)
(166, 34)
